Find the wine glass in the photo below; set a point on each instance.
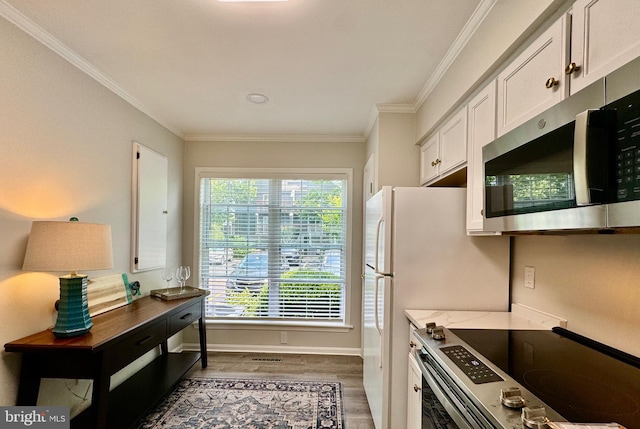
(187, 273)
(167, 275)
(182, 274)
(179, 275)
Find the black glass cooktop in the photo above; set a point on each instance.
(580, 383)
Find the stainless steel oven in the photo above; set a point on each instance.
(463, 390)
(484, 379)
(443, 405)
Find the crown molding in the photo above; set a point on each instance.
(274, 138)
(396, 108)
(479, 15)
(21, 21)
(385, 108)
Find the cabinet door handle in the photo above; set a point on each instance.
(551, 82)
(571, 68)
(412, 344)
(416, 388)
(434, 163)
(186, 316)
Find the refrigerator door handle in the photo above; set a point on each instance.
(377, 249)
(377, 318)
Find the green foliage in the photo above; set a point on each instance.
(318, 203)
(233, 191)
(250, 301)
(297, 297)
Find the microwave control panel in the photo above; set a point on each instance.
(627, 162)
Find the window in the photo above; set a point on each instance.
(273, 246)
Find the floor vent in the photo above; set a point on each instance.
(257, 359)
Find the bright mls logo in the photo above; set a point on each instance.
(34, 417)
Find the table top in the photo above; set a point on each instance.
(106, 327)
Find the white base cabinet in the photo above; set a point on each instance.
(414, 395)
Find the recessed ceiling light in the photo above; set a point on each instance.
(255, 97)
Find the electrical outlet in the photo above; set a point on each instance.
(283, 338)
(529, 277)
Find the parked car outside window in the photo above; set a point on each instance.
(251, 273)
(290, 257)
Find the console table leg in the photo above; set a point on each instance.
(100, 395)
(29, 380)
(202, 330)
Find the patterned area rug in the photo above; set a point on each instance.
(222, 403)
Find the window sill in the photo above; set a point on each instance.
(269, 325)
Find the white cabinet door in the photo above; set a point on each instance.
(535, 80)
(482, 130)
(149, 209)
(605, 35)
(453, 142)
(445, 151)
(369, 182)
(429, 159)
(414, 395)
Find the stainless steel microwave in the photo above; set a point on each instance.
(574, 167)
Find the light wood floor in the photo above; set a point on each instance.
(345, 369)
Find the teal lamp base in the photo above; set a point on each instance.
(73, 308)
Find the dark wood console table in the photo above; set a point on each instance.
(118, 337)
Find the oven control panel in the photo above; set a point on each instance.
(473, 367)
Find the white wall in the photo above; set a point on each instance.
(65, 150)
(274, 155)
(593, 281)
(392, 139)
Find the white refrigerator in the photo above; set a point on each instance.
(418, 256)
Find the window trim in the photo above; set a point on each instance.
(324, 173)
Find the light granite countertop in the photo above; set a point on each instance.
(520, 317)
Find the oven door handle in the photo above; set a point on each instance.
(456, 415)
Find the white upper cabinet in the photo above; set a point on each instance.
(446, 150)
(605, 35)
(535, 79)
(429, 159)
(481, 131)
(453, 142)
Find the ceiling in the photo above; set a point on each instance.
(190, 64)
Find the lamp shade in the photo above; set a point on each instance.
(68, 246)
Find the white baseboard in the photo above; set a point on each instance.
(341, 351)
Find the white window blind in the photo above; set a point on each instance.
(273, 247)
